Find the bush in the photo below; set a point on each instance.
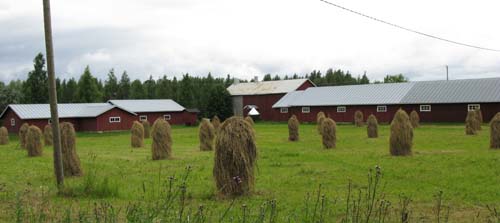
(22, 135)
(249, 119)
(147, 129)
(372, 126)
(414, 119)
(329, 133)
(401, 139)
(293, 128)
(495, 132)
(162, 140)
(471, 123)
(34, 141)
(235, 157)
(137, 135)
(358, 118)
(4, 136)
(71, 161)
(47, 135)
(206, 135)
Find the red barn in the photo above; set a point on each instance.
(435, 101)
(94, 117)
(261, 95)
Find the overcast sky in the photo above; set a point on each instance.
(252, 38)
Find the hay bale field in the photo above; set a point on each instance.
(162, 140)
(329, 133)
(206, 134)
(4, 136)
(71, 160)
(401, 140)
(23, 130)
(358, 118)
(47, 135)
(137, 135)
(34, 141)
(293, 129)
(372, 126)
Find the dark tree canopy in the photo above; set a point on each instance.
(35, 88)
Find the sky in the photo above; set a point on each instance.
(252, 38)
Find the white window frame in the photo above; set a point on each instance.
(115, 119)
(284, 110)
(167, 117)
(341, 109)
(470, 107)
(422, 108)
(143, 117)
(12, 122)
(382, 108)
(306, 109)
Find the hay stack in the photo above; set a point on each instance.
(372, 126)
(137, 135)
(235, 158)
(319, 120)
(147, 129)
(358, 118)
(293, 128)
(249, 120)
(471, 123)
(479, 116)
(329, 133)
(216, 123)
(22, 135)
(414, 119)
(401, 139)
(206, 135)
(47, 135)
(34, 141)
(4, 136)
(162, 140)
(71, 161)
(495, 132)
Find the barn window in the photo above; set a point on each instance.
(381, 108)
(114, 119)
(341, 109)
(284, 110)
(425, 108)
(143, 118)
(167, 117)
(473, 107)
(12, 122)
(306, 109)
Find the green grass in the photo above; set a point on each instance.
(444, 159)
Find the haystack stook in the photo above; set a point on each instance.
(216, 123)
(4, 136)
(47, 135)
(34, 141)
(414, 119)
(329, 133)
(162, 140)
(401, 139)
(147, 129)
(206, 135)
(249, 119)
(471, 123)
(372, 126)
(71, 161)
(495, 132)
(319, 120)
(358, 118)
(137, 135)
(22, 135)
(235, 158)
(293, 128)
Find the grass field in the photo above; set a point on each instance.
(444, 159)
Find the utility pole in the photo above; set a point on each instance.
(447, 72)
(54, 116)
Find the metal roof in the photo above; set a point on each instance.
(148, 105)
(265, 87)
(453, 91)
(42, 111)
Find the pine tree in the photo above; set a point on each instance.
(136, 90)
(35, 88)
(111, 86)
(124, 86)
(150, 88)
(87, 88)
(220, 103)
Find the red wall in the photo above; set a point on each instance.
(40, 123)
(438, 113)
(305, 85)
(176, 118)
(103, 124)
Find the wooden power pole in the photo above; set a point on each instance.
(58, 165)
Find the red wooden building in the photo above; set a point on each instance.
(262, 95)
(96, 116)
(435, 101)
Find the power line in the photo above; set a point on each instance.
(408, 29)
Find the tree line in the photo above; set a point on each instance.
(208, 93)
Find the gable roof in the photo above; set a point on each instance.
(77, 110)
(266, 87)
(148, 105)
(425, 92)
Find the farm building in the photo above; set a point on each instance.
(435, 101)
(261, 95)
(112, 116)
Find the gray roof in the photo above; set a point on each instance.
(148, 105)
(265, 87)
(425, 92)
(42, 111)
